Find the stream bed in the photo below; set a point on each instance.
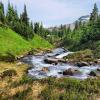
(55, 70)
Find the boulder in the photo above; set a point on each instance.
(71, 72)
(81, 64)
(62, 60)
(51, 60)
(19, 63)
(68, 72)
(95, 73)
(54, 60)
(97, 61)
(45, 69)
(98, 69)
(92, 73)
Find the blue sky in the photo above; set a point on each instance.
(55, 12)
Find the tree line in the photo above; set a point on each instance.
(19, 24)
(82, 33)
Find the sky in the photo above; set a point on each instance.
(54, 12)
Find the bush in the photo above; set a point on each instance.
(85, 55)
(97, 52)
(72, 89)
(9, 57)
(25, 80)
(21, 95)
(8, 73)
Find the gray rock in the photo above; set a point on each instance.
(81, 64)
(94, 73)
(71, 72)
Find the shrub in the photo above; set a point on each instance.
(73, 89)
(21, 95)
(10, 73)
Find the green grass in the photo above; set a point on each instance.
(11, 42)
(38, 42)
(71, 89)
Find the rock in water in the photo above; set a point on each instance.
(51, 60)
(45, 69)
(98, 69)
(95, 73)
(81, 64)
(71, 72)
(92, 73)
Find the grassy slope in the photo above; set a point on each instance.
(12, 42)
(38, 42)
(16, 45)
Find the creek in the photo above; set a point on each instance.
(55, 70)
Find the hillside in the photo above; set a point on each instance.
(11, 42)
(38, 42)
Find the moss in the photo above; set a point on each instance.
(85, 55)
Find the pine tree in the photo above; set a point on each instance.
(32, 26)
(68, 30)
(94, 14)
(10, 15)
(36, 28)
(24, 16)
(76, 25)
(2, 14)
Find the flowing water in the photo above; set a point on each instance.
(38, 64)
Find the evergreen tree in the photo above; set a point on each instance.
(76, 25)
(2, 14)
(24, 16)
(41, 30)
(10, 15)
(32, 26)
(94, 14)
(36, 28)
(68, 30)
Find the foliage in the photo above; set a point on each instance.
(22, 95)
(85, 55)
(71, 89)
(39, 42)
(97, 52)
(8, 73)
(12, 44)
(20, 24)
(85, 36)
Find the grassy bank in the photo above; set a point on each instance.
(13, 44)
(17, 86)
(38, 42)
(23, 87)
(71, 89)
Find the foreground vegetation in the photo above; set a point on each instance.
(19, 86)
(71, 89)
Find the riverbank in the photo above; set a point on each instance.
(15, 84)
(19, 85)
